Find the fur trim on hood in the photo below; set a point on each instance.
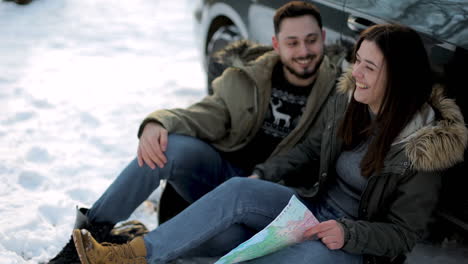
(241, 52)
(435, 146)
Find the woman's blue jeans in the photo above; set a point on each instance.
(218, 222)
(194, 168)
(229, 215)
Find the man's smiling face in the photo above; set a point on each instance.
(300, 45)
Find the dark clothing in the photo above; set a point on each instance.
(287, 104)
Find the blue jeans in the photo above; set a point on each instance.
(194, 168)
(229, 215)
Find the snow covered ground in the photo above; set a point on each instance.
(76, 79)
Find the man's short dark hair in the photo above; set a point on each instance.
(296, 9)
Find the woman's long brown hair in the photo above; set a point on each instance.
(409, 85)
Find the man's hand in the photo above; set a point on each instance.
(254, 176)
(152, 145)
(330, 232)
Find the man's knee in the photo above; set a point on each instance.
(185, 148)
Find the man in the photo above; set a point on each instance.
(258, 110)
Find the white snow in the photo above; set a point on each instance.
(76, 79)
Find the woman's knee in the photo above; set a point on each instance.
(248, 188)
(238, 189)
(238, 184)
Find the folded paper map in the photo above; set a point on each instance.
(287, 229)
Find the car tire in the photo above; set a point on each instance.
(221, 38)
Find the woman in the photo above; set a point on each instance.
(387, 135)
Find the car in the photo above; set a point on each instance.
(442, 24)
(19, 2)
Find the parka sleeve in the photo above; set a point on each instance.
(208, 119)
(402, 225)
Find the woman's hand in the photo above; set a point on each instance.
(330, 232)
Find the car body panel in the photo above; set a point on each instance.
(443, 20)
(443, 25)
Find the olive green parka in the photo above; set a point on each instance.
(230, 117)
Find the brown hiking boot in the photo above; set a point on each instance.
(92, 252)
(102, 232)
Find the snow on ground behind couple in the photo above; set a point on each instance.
(76, 79)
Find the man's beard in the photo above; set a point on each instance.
(305, 75)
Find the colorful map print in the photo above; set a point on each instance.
(287, 229)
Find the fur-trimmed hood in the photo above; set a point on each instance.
(430, 144)
(240, 53)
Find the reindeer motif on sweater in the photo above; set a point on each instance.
(278, 115)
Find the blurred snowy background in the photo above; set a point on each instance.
(76, 79)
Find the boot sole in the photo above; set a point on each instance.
(80, 249)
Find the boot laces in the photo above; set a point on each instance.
(121, 252)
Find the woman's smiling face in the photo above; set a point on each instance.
(370, 74)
